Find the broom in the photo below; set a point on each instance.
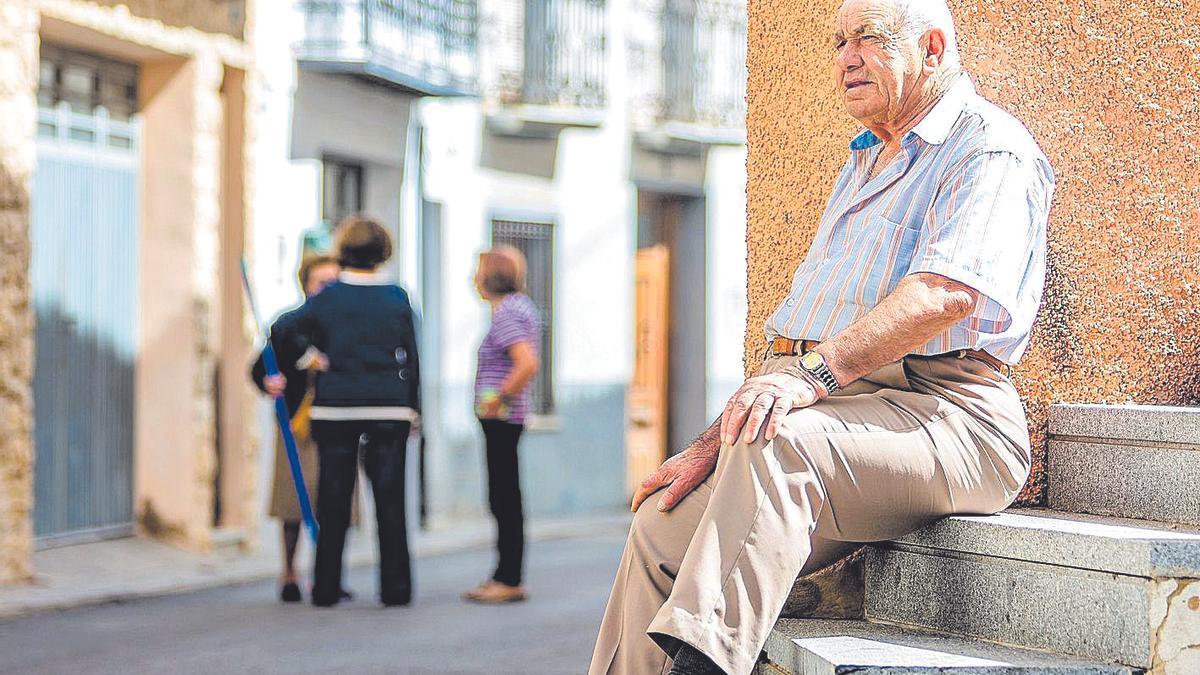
(282, 418)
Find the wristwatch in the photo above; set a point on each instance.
(814, 364)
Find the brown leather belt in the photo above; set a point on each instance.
(782, 346)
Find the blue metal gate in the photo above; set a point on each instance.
(84, 278)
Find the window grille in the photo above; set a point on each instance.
(87, 82)
(88, 101)
(423, 45)
(704, 62)
(564, 52)
(536, 241)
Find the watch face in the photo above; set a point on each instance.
(812, 360)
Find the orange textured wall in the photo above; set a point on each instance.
(1112, 93)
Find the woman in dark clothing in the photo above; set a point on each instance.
(508, 360)
(316, 272)
(368, 396)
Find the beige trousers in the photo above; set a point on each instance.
(914, 441)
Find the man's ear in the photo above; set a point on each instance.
(935, 49)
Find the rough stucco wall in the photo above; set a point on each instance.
(1109, 90)
(210, 16)
(18, 77)
(179, 321)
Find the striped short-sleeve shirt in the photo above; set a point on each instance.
(514, 320)
(967, 198)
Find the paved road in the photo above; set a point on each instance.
(245, 630)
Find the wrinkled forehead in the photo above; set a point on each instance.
(873, 17)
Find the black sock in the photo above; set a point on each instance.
(689, 661)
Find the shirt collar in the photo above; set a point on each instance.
(935, 127)
(364, 278)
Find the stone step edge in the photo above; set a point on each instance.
(1094, 615)
(1083, 542)
(1159, 481)
(826, 647)
(1125, 424)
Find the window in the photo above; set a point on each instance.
(536, 241)
(87, 99)
(87, 82)
(341, 190)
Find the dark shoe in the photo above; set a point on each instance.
(344, 594)
(290, 592)
(396, 599)
(690, 661)
(323, 600)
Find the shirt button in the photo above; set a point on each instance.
(791, 302)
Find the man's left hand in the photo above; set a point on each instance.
(765, 399)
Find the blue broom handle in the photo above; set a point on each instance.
(283, 419)
(289, 442)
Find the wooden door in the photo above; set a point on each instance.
(646, 431)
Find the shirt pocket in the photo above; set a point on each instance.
(882, 251)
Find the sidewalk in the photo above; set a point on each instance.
(126, 569)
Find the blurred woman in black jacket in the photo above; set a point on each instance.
(364, 326)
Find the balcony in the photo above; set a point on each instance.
(693, 72)
(549, 64)
(423, 46)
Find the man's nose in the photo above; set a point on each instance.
(848, 57)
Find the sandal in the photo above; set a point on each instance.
(495, 593)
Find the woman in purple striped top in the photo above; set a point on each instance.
(508, 360)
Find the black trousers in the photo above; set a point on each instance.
(383, 455)
(504, 496)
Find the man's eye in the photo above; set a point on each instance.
(872, 39)
(838, 44)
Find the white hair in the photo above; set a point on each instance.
(918, 16)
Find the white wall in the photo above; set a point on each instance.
(287, 195)
(341, 116)
(726, 190)
(591, 202)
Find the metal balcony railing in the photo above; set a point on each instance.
(427, 46)
(564, 53)
(704, 63)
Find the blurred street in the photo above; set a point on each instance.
(245, 629)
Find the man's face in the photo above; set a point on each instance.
(877, 70)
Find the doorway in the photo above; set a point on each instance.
(667, 395)
(84, 277)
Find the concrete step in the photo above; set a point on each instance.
(1099, 588)
(1128, 461)
(821, 647)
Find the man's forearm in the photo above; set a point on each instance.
(709, 440)
(921, 307)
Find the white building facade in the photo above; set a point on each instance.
(602, 137)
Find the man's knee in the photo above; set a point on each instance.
(647, 520)
(792, 440)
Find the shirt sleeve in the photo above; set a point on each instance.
(986, 229)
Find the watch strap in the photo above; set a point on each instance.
(823, 375)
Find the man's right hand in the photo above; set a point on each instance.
(681, 474)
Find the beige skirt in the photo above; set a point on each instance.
(285, 505)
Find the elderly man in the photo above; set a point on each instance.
(884, 401)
